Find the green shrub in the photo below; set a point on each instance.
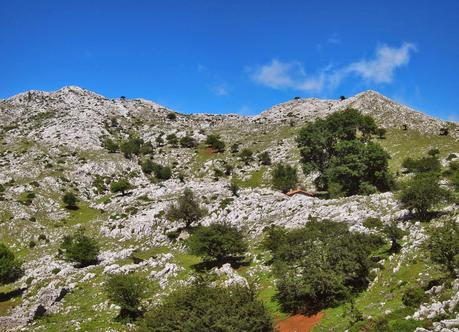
(10, 267)
(284, 177)
(372, 223)
(246, 155)
(214, 141)
(110, 145)
(264, 158)
(187, 209)
(126, 291)
(413, 297)
(162, 172)
(121, 186)
(171, 116)
(429, 164)
(70, 200)
(217, 242)
(188, 142)
(80, 248)
(444, 246)
(208, 309)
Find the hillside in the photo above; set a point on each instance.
(53, 142)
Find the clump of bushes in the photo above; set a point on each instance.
(187, 209)
(320, 265)
(443, 246)
(120, 186)
(202, 308)
(215, 143)
(70, 200)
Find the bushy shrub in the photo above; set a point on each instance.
(131, 147)
(188, 142)
(217, 242)
(444, 246)
(171, 116)
(10, 266)
(214, 141)
(172, 140)
(70, 200)
(413, 297)
(80, 248)
(372, 223)
(422, 192)
(264, 158)
(110, 145)
(284, 177)
(246, 155)
(429, 164)
(187, 209)
(126, 291)
(147, 166)
(208, 309)
(121, 186)
(162, 172)
(319, 265)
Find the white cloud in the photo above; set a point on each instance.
(381, 68)
(220, 90)
(291, 75)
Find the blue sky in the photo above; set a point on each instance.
(235, 56)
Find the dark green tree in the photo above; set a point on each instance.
(215, 143)
(217, 242)
(120, 186)
(110, 145)
(187, 209)
(246, 155)
(162, 172)
(126, 291)
(172, 140)
(284, 178)
(10, 266)
(444, 246)
(394, 233)
(147, 166)
(422, 192)
(70, 200)
(80, 248)
(202, 308)
(131, 147)
(188, 142)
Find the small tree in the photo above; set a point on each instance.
(147, 166)
(217, 242)
(10, 267)
(444, 246)
(394, 233)
(284, 177)
(264, 158)
(80, 248)
(422, 192)
(187, 209)
(162, 172)
(246, 156)
(110, 145)
(126, 291)
(121, 186)
(70, 200)
(131, 147)
(381, 132)
(215, 142)
(188, 142)
(172, 140)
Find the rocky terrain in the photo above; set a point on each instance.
(52, 142)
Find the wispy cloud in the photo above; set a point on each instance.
(291, 75)
(220, 90)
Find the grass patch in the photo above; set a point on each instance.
(255, 180)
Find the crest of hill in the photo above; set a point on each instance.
(386, 112)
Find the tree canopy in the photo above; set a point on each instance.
(186, 209)
(10, 266)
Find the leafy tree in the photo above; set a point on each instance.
(203, 308)
(394, 233)
(444, 246)
(110, 145)
(10, 267)
(126, 291)
(172, 116)
(70, 200)
(214, 141)
(188, 142)
(131, 147)
(358, 168)
(80, 248)
(284, 177)
(172, 140)
(217, 242)
(429, 164)
(422, 192)
(325, 145)
(187, 209)
(121, 186)
(246, 155)
(146, 148)
(381, 132)
(147, 166)
(264, 158)
(162, 172)
(319, 265)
